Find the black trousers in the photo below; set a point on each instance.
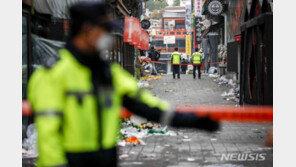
(194, 69)
(176, 70)
(101, 158)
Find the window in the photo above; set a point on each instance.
(179, 33)
(172, 33)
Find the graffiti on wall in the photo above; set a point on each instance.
(235, 16)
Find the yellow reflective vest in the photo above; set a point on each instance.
(66, 108)
(176, 57)
(196, 58)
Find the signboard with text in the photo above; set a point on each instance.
(188, 44)
(169, 39)
(197, 8)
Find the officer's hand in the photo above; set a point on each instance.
(206, 123)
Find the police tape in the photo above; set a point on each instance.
(243, 114)
(230, 113)
(159, 62)
(253, 114)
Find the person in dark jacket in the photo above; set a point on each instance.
(154, 56)
(184, 67)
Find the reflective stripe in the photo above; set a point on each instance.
(48, 113)
(57, 166)
(167, 117)
(80, 94)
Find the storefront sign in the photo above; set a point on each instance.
(215, 7)
(237, 38)
(197, 8)
(169, 39)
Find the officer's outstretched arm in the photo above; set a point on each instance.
(46, 98)
(143, 103)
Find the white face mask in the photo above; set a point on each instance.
(104, 43)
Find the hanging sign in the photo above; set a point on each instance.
(169, 40)
(215, 7)
(188, 44)
(128, 29)
(197, 8)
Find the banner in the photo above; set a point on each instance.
(169, 40)
(188, 17)
(188, 44)
(197, 8)
(128, 29)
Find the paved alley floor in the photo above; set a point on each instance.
(235, 145)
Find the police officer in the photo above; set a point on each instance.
(77, 98)
(176, 60)
(196, 60)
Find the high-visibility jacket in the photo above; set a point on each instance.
(196, 58)
(66, 108)
(176, 57)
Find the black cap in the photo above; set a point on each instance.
(176, 48)
(92, 12)
(196, 49)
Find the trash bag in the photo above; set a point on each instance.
(30, 143)
(43, 49)
(213, 70)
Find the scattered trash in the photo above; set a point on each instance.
(149, 125)
(232, 94)
(256, 131)
(213, 70)
(156, 131)
(149, 77)
(213, 75)
(134, 130)
(143, 84)
(121, 143)
(169, 90)
(123, 156)
(190, 159)
(137, 120)
(29, 146)
(133, 140)
(186, 140)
